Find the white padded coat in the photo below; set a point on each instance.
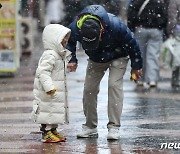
(51, 74)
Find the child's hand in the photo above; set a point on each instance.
(51, 92)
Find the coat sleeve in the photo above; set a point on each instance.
(44, 70)
(130, 45)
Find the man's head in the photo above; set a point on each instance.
(90, 31)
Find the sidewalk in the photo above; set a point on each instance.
(150, 117)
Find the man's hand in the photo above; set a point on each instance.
(72, 67)
(136, 74)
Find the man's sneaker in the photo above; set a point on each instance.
(58, 135)
(113, 134)
(49, 137)
(87, 132)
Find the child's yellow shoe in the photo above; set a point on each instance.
(58, 135)
(49, 137)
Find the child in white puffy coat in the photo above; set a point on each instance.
(50, 106)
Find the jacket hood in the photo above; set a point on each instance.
(99, 12)
(52, 37)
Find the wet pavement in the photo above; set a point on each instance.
(150, 117)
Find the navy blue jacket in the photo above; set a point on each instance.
(117, 40)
